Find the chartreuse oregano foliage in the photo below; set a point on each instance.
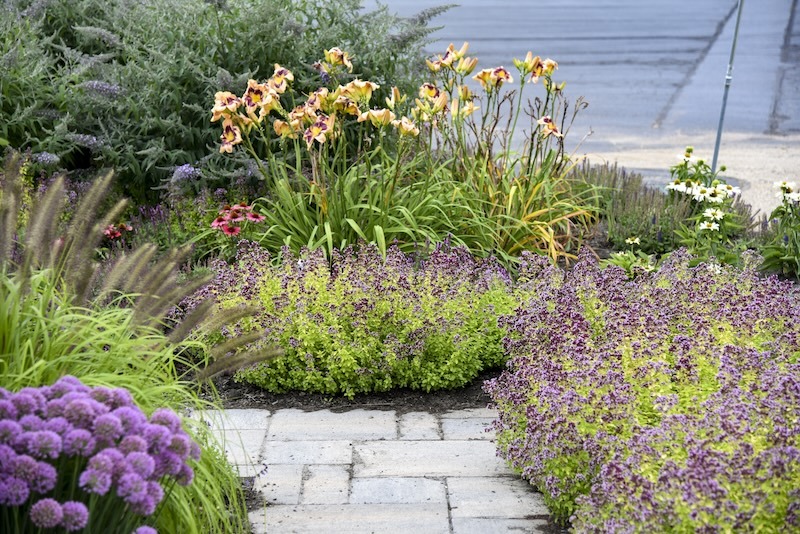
(663, 404)
(62, 312)
(365, 323)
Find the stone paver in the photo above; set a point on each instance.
(369, 471)
(369, 490)
(290, 425)
(427, 458)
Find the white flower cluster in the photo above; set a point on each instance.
(788, 191)
(715, 194)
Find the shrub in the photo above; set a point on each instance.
(363, 323)
(87, 458)
(124, 84)
(664, 403)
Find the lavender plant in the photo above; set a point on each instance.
(81, 459)
(362, 323)
(668, 402)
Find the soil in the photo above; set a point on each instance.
(242, 395)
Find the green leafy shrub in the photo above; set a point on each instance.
(125, 84)
(363, 323)
(666, 403)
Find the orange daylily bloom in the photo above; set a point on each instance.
(316, 99)
(231, 135)
(549, 66)
(319, 131)
(491, 79)
(259, 96)
(346, 105)
(463, 109)
(225, 104)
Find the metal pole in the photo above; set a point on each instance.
(728, 79)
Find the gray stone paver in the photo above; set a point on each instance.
(326, 484)
(366, 471)
(291, 425)
(427, 458)
(419, 425)
(393, 490)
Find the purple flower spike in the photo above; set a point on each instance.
(76, 516)
(145, 530)
(47, 513)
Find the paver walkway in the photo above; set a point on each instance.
(378, 471)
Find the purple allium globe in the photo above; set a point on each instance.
(50, 434)
(47, 513)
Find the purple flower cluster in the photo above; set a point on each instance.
(361, 322)
(52, 433)
(102, 89)
(670, 402)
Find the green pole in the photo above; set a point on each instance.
(728, 79)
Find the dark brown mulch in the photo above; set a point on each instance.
(242, 395)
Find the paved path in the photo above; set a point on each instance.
(653, 73)
(365, 471)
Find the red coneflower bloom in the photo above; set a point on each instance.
(219, 221)
(255, 217)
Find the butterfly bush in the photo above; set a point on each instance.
(670, 402)
(81, 459)
(364, 323)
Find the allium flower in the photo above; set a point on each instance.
(141, 463)
(47, 513)
(43, 444)
(76, 516)
(13, 491)
(145, 530)
(107, 428)
(79, 442)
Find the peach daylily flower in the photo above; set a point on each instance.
(336, 57)
(280, 78)
(406, 127)
(285, 129)
(491, 79)
(231, 135)
(451, 54)
(359, 90)
(429, 91)
(346, 105)
(378, 117)
(225, 104)
(396, 99)
(318, 131)
(549, 127)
